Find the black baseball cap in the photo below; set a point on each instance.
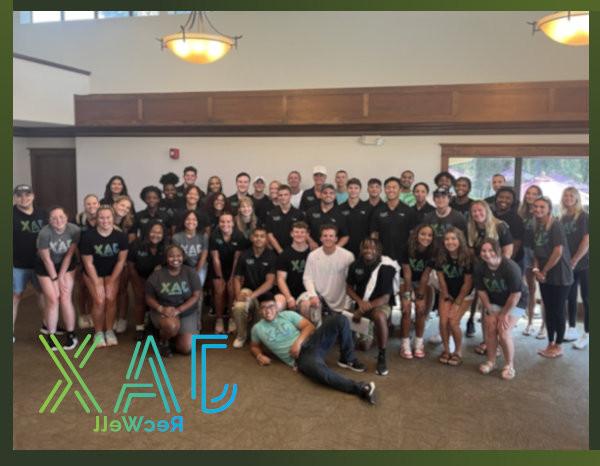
(441, 192)
(22, 189)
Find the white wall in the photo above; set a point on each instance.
(286, 50)
(43, 93)
(142, 160)
(21, 159)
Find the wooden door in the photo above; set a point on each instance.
(54, 178)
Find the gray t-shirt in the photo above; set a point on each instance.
(58, 244)
(171, 290)
(193, 247)
(543, 241)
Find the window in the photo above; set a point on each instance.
(25, 17)
(45, 16)
(145, 13)
(77, 15)
(179, 12)
(553, 167)
(112, 14)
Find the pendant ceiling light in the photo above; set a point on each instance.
(201, 45)
(566, 27)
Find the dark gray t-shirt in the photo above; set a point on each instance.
(58, 244)
(441, 224)
(543, 241)
(575, 230)
(171, 290)
(501, 283)
(193, 247)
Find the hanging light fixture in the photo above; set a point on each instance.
(200, 46)
(566, 27)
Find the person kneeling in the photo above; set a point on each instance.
(293, 339)
(172, 293)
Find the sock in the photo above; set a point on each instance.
(140, 327)
(382, 352)
(418, 342)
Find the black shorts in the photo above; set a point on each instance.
(40, 268)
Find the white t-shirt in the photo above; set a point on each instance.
(326, 275)
(296, 198)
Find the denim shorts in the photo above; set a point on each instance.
(23, 276)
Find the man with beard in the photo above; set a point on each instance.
(407, 178)
(462, 202)
(326, 213)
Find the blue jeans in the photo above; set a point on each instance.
(311, 361)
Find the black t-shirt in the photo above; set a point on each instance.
(141, 222)
(504, 237)
(293, 263)
(454, 275)
(418, 263)
(393, 228)
(170, 206)
(543, 242)
(203, 219)
(309, 199)
(420, 213)
(262, 207)
(141, 256)
(516, 227)
(315, 217)
(25, 231)
(491, 200)
(104, 250)
(464, 209)
(226, 249)
(575, 230)
(441, 224)
(501, 283)
(358, 219)
(171, 290)
(234, 203)
(254, 269)
(280, 224)
(180, 190)
(360, 273)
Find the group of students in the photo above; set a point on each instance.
(296, 270)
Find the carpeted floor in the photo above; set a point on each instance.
(422, 404)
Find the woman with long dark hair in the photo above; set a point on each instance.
(115, 187)
(214, 185)
(215, 205)
(454, 267)
(552, 270)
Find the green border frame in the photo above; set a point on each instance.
(347, 458)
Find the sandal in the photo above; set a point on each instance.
(419, 353)
(487, 367)
(508, 373)
(481, 349)
(455, 360)
(546, 352)
(444, 358)
(528, 330)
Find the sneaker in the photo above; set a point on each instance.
(59, 330)
(164, 348)
(99, 340)
(84, 321)
(219, 326)
(355, 365)
(111, 338)
(470, 329)
(367, 392)
(528, 330)
(583, 341)
(405, 351)
(239, 343)
(120, 326)
(541, 335)
(53, 347)
(70, 342)
(571, 334)
(381, 365)
(231, 326)
(435, 339)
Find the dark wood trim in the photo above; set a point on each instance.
(52, 64)
(512, 151)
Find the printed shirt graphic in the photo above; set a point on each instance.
(171, 290)
(315, 217)
(278, 335)
(227, 249)
(142, 219)
(280, 224)
(543, 241)
(441, 224)
(575, 230)
(25, 231)
(104, 250)
(359, 275)
(255, 269)
(144, 261)
(454, 275)
(192, 247)
(500, 283)
(58, 244)
(393, 228)
(418, 264)
(293, 263)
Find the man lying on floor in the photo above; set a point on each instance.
(294, 340)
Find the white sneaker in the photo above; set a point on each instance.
(571, 334)
(435, 339)
(84, 321)
(219, 325)
(541, 335)
(111, 338)
(583, 341)
(99, 340)
(231, 326)
(120, 326)
(239, 343)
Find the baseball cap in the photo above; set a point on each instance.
(319, 169)
(441, 192)
(258, 178)
(22, 189)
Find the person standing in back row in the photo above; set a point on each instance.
(311, 197)
(326, 213)
(444, 217)
(407, 178)
(358, 216)
(280, 220)
(242, 184)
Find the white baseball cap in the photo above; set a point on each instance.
(319, 169)
(258, 178)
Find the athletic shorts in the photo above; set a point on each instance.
(517, 312)
(189, 323)
(40, 268)
(23, 276)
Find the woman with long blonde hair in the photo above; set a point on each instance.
(575, 222)
(246, 219)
